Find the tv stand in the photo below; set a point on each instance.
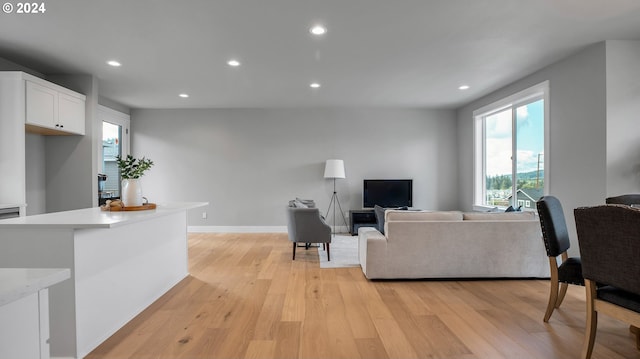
(361, 218)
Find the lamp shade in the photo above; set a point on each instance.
(334, 169)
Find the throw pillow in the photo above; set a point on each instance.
(307, 202)
(379, 211)
(299, 204)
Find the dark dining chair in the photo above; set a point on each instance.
(627, 199)
(556, 242)
(609, 238)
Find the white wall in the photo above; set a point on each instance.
(113, 105)
(249, 162)
(35, 174)
(6, 65)
(623, 117)
(578, 132)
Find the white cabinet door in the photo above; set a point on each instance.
(20, 329)
(50, 109)
(70, 114)
(42, 105)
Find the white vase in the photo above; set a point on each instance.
(131, 192)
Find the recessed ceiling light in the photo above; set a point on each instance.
(114, 63)
(318, 30)
(463, 87)
(234, 63)
(314, 85)
(183, 95)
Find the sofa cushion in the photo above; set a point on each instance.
(499, 216)
(395, 215)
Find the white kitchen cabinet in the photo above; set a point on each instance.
(31, 103)
(22, 336)
(53, 110)
(24, 311)
(42, 104)
(71, 113)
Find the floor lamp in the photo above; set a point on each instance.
(335, 169)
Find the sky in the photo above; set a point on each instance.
(530, 139)
(109, 131)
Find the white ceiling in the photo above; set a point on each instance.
(398, 53)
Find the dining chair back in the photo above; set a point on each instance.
(556, 242)
(553, 225)
(628, 199)
(609, 239)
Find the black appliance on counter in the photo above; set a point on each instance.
(102, 195)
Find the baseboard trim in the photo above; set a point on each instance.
(247, 229)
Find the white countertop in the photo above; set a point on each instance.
(95, 217)
(16, 283)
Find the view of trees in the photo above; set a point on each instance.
(533, 179)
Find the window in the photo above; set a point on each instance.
(510, 146)
(115, 142)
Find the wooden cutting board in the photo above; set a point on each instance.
(144, 207)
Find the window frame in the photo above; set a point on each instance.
(531, 94)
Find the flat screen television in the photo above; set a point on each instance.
(387, 193)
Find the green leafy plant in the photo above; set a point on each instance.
(131, 168)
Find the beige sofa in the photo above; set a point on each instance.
(454, 245)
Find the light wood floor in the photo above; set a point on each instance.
(246, 298)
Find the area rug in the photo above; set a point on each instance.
(344, 252)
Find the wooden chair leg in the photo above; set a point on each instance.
(328, 253)
(592, 320)
(294, 250)
(635, 331)
(553, 292)
(561, 294)
(563, 289)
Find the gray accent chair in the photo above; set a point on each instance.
(306, 225)
(609, 239)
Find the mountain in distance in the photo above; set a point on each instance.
(532, 175)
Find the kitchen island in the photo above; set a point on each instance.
(120, 263)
